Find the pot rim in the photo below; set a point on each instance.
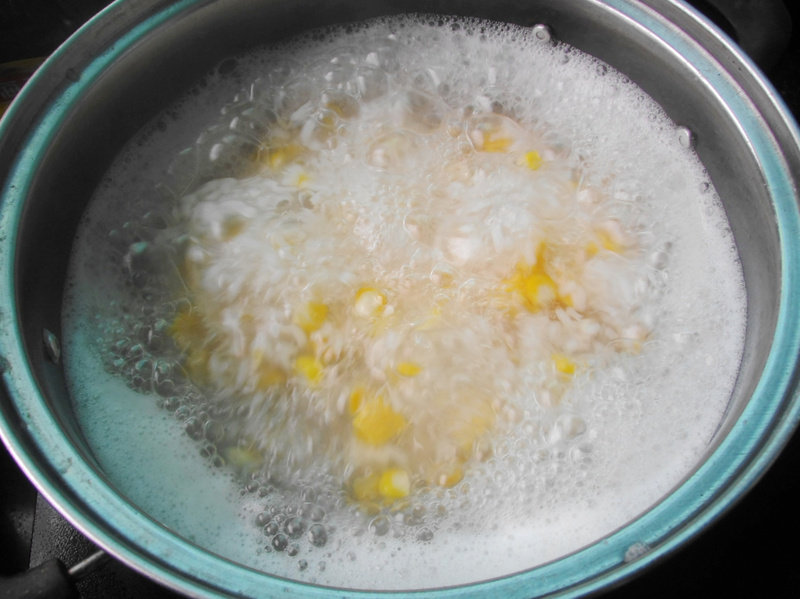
(62, 474)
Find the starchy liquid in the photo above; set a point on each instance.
(428, 301)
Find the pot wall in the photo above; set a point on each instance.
(107, 75)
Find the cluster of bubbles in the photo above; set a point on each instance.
(141, 353)
(137, 347)
(287, 525)
(287, 95)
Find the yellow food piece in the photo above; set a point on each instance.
(190, 334)
(270, 376)
(394, 483)
(310, 316)
(196, 364)
(538, 289)
(301, 179)
(188, 329)
(448, 477)
(409, 368)
(243, 458)
(495, 144)
(533, 160)
(278, 157)
(609, 242)
(376, 423)
(366, 488)
(563, 364)
(534, 285)
(432, 320)
(309, 367)
(493, 133)
(356, 397)
(231, 227)
(369, 302)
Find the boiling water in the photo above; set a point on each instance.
(425, 303)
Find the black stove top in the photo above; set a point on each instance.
(751, 552)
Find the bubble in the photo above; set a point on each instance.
(571, 426)
(659, 259)
(294, 527)
(213, 430)
(425, 535)
(581, 454)
(208, 450)
(416, 515)
(370, 84)
(379, 526)
(164, 386)
(170, 404)
(120, 347)
(312, 512)
(317, 535)
(134, 351)
(224, 153)
(384, 57)
(253, 122)
(193, 427)
(392, 151)
(343, 105)
(293, 95)
(423, 111)
(279, 542)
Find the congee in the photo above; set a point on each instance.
(415, 302)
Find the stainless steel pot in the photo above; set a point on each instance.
(52, 157)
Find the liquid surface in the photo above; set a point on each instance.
(423, 304)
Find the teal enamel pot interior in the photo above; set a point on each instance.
(99, 88)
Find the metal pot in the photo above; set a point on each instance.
(51, 159)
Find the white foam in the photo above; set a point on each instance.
(621, 438)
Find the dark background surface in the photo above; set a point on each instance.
(751, 552)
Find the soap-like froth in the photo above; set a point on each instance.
(561, 473)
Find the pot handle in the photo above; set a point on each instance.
(762, 28)
(51, 579)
